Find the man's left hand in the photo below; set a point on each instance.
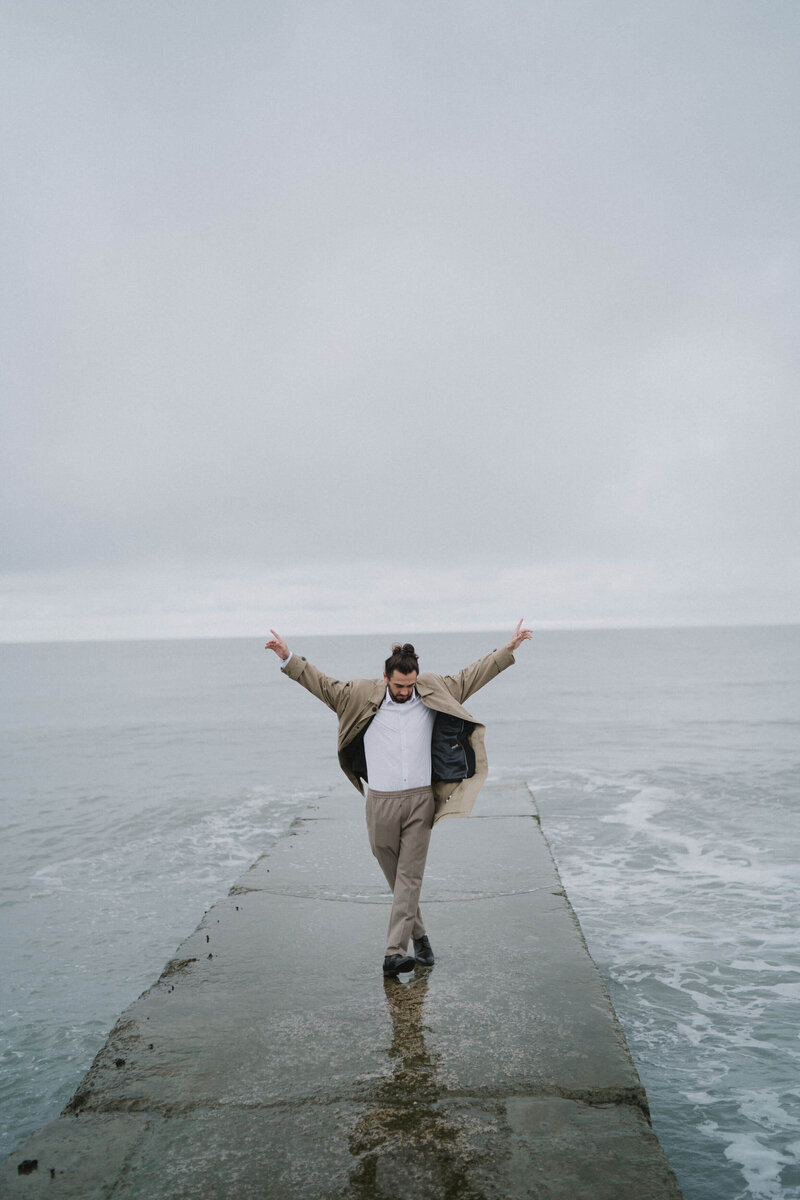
(519, 636)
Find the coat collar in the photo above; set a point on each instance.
(423, 687)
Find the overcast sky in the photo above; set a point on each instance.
(366, 316)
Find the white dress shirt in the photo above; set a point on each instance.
(398, 745)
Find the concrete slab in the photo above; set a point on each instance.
(74, 1157)
(432, 1148)
(272, 1059)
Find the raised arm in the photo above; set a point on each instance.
(329, 691)
(473, 677)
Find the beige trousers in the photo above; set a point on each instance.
(399, 826)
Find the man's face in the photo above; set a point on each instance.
(401, 687)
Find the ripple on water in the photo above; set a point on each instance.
(686, 896)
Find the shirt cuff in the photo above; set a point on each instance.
(285, 661)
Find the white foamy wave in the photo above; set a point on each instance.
(762, 1166)
(672, 881)
(211, 846)
(639, 811)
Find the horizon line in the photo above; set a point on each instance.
(544, 627)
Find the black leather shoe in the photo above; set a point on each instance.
(423, 952)
(393, 964)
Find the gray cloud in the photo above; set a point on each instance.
(490, 286)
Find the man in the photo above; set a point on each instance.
(422, 756)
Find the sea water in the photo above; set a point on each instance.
(140, 779)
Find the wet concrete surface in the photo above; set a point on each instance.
(271, 1059)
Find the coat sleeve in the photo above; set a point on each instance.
(473, 677)
(332, 692)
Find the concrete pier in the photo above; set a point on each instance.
(272, 1061)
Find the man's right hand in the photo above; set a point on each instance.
(277, 644)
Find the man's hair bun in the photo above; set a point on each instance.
(403, 659)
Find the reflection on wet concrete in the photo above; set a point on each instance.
(407, 1143)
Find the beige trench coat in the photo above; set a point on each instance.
(356, 701)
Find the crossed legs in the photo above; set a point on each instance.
(399, 826)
